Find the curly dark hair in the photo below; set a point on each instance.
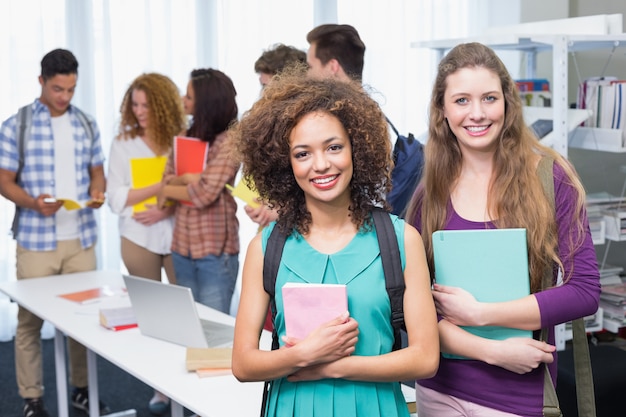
(166, 116)
(262, 142)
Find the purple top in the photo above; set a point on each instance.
(495, 387)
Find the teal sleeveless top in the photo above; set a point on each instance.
(359, 266)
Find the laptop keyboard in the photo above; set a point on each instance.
(218, 334)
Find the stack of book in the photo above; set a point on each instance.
(613, 304)
(606, 213)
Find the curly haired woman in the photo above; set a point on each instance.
(151, 115)
(318, 151)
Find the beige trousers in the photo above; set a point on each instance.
(141, 262)
(69, 257)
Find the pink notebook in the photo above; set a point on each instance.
(307, 306)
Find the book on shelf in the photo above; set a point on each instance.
(541, 127)
(616, 290)
(607, 278)
(606, 98)
(535, 92)
(118, 318)
(145, 172)
(93, 294)
(307, 306)
(208, 358)
(613, 311)
(609, 270)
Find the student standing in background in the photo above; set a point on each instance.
(481, 172)
(335, 51)
(151, 115)
(205, 245)
(270, 63)
(62, 158)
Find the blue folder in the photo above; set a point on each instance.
(491, 264)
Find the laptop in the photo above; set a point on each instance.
(168, 312)
(491, 264)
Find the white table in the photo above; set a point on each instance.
(157, 363)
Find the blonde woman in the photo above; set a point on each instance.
(151, 115)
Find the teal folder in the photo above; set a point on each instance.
(491, 264)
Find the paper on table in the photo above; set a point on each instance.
(92, 294)
(145, 172)
(307, 306)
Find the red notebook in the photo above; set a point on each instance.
(307, 306)
(190, 155)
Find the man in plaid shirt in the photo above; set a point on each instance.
(62, 159)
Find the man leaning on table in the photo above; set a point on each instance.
(62, 158)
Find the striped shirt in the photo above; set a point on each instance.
(37, 232)
(209, 226)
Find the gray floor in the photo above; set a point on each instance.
(119, 390)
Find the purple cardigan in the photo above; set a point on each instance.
(495, 387)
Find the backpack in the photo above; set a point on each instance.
(24, 120)
(408, 159)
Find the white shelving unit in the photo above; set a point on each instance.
(561, 46)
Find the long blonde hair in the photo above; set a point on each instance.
(516, 197)
(166, 116)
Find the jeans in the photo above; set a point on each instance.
(211, 279)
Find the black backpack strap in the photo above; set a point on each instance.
(392, 267)
(271, 262)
